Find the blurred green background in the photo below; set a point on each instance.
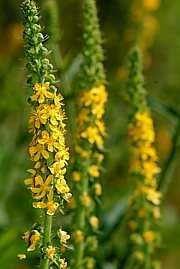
(162, 81)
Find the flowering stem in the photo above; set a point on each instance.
(47, 238)
(47, 229)
(81, 221)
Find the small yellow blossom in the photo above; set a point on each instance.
(93, 171)
(64, 236)
(85, 199)
(149, 237)
(98, 189)
(94, 221)
(151, 5)
(50, 205)
(83, 153)
(25, 236)
(36, 151)
(41, 92)
(21, 256)
(40, 187)
(61, 185)
(154, 196)
(76, 176)
(92, 135)
(50, 252)
(78, 236)
(34, 238)
(63, 263)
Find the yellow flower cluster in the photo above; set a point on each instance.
(47, 149)
(143, 154)
(91, 109)
(143, 165)
(32, 237)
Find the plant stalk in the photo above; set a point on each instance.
(81, 221)
(47, 239)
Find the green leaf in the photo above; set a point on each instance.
(113, 219)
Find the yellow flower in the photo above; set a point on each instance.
(98, 189)
(38, 116)
(57, 168)
(50, 252)
(57, 99)
(40, 191)
(83, 153)
(63, 236)
(41, 92)
(83, 116)
(149, 237)
(63, 263)
(25, 236)
(49, 141)
(94, 221)
(36, 151)
(101, 126)
(154, 196)
(33, 240)
(85, 199)
(93, 171)
(151, 5)
(50, 205)
(92, 135)
(76, 176)
(56, 115)
(21, 256)
(30, 181)
(61, 185)
(78, 236)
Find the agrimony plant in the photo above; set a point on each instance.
(48, 152)
(144, 204)
(89, 140)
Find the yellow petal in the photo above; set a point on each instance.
(39, 205)
(39, 180)
(45, 154)
(28, 181)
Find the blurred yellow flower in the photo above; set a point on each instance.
(64, 236)
(21, 256)
(50, 252)
(149, 237)
(93, 171)
(151, 5)
(94, 221)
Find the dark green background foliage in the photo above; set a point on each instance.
(162, 82)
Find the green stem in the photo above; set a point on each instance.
(47, 239)
(81, 223)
